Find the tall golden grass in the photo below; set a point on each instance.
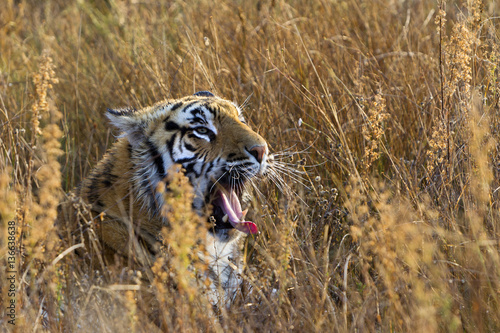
(391, 108)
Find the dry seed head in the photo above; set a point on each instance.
(160, 188)
(44, 208)
(440, 21)
(373, 129)
(43, 81)
(437, 146)
(131, 304)
(491, 73)
(186, 232)
(459, 53)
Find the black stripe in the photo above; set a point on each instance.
(189, 147)
(170, 144)
(240, 159)
(190, 169)
(108, 180)
(157, 158)
(197, 120)
(209, 167)
(107, 177)
(129, 149)
(171, 126)
(188, 105)
(186, 159)
(122, 111)
(176, 106)
(212, 111)
(197, 111)
(93, 193)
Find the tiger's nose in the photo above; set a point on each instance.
(258, 152)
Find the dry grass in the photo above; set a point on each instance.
(395, 225)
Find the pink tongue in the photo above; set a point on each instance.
(232, 207)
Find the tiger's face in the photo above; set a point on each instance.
(208, 136)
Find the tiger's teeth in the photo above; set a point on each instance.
(244, 213)
(225, 218)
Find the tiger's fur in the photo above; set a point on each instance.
(208, 136)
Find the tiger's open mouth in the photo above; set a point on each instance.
(227, 211)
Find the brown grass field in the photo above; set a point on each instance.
(389, 109)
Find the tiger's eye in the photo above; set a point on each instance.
(201, 130)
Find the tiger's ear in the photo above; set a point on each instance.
(126, 121)
(204, 94)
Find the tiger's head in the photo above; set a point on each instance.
(209, 137)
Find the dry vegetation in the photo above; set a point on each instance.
(392, 108)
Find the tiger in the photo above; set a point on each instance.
(219, 153)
